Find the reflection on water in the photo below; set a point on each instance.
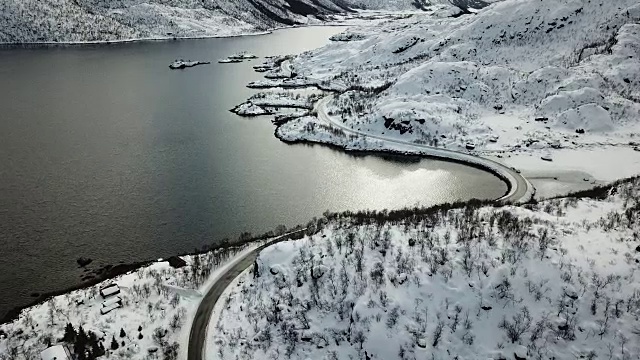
(106, 153)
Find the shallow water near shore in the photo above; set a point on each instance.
(107, 153)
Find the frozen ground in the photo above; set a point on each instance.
(518, 81)
(552, 280)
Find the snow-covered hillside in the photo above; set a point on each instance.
(551, 280)
(520, 80)
(158, 304)
(23, 21)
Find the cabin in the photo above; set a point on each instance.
(57, 352)
(109, 308)
(111, 303)
(110, 290)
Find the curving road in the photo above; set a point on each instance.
(198, 333)
(519, 188)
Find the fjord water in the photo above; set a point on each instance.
(108, 154)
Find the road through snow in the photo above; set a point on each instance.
(198, 332)
(519, 188)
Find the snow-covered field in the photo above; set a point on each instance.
(549, 87)
(551, 280)
(158, 303)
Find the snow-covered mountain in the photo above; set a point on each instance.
(106, 20)
(521, 79)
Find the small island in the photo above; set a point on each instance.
(237, 58)
(243, 55)
(250, 109)
(181, 64)
(229, 61)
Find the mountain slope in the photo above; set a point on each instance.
(520, 79)
(23, 21)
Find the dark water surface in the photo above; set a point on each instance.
(106, 153)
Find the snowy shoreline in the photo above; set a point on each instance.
(113, 272)
(108, 272)
(397, 152)
(164, 38)
(519, 188)
(133, 40)
(172, 289)
(475, 84)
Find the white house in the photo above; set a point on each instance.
(57, 352)
(111, 304)
(109, 290)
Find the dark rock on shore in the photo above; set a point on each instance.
(176, 262)
(84, 261)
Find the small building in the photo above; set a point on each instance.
(110, 290)
(109, 308)
(112, 300)
(57, 352)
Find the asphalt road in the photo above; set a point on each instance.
(519, 187)
(198, 334)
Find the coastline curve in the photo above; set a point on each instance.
(519, 188)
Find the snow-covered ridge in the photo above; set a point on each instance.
(78, 21)
(545, 86)
(556, 279)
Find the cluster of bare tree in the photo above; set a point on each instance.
(455, 244)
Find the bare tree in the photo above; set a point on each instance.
(520, 323)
